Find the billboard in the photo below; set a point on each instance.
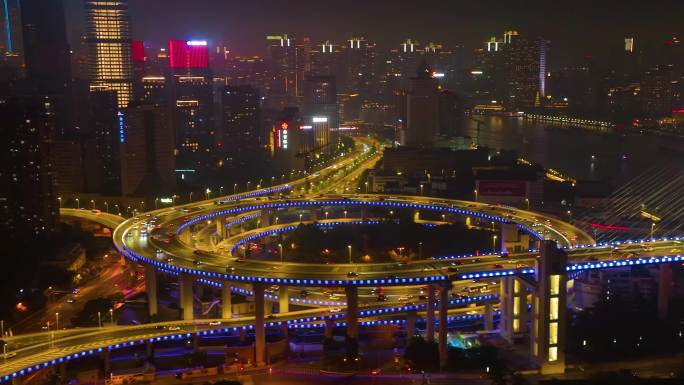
(508, 188)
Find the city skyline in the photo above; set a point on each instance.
(458, 23)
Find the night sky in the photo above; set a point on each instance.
(584, 27)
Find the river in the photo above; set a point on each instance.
(584, 154)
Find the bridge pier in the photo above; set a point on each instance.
(226, 300)
(220, 227)
(151, 289)
(283, 299)
(512, 240)
(259, 326)
(265, 220)
(411, 317)
(430, 314)
(352, 293)
(513, 298)
(443, 309)
(488, 317)
(329, 327)
(665, 285)
(549, 313)
(185, 299)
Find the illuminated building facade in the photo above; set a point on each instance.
(108, 36)
(287, 67)
(320, 111)
(525, 71)
(243, 136)
(185, 56)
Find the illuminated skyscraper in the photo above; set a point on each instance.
(108, 36)
(525, 66)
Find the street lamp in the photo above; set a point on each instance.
(111, 315)
(92, 202)
(78, 203)
(221, 190)
(349, 248)
(420, 250)
(326, 215)
(106, 206)
(300, 217)
(345, 213)
(494, 244)
(155, 202)
(59, 199)
(475, 192)
(56, 321)
(421, 189)
(527, 201)
(99, 319)
(190, 199)
(207, 193)
(652, 229)
(235, 188)
(280, 247)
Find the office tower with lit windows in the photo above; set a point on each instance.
(193, 121)
(320, 112)
(102, 162)
(421, 110)
(147, 151)
(28, 199)
(154, 90)
(287, 66)
(108, 35)
(525, 71)
(658, 91)
(326, 59)
(360, 65)
(242, 136)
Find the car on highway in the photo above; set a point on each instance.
(352, 274)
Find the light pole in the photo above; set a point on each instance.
(248, 182)
(56, 321)
(221, 190)
(420, 250)
(111, 315)
(527, 201)
(652, 229)
(78, 203)
(155, 202)
(345, 214)
(207, 193)
(118, 210)
(276, 220)
(421, 189)
(475, 192)
(494, 244)
(300, 218)
(326, 215)
(349, 248)
(280, 247)
(190, 199)
(99, 319)
(92, 203)
(366, 184)
(106, 207)
(235, 188)
(59, 199)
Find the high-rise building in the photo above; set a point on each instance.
(320, 111)
(147, 151)
(658, 91)
(421, 110)
(46, 49)
(287, 65)
(193, 121)
(188, 57)
(108, 35)
(154, 90)
(525, 71)
(243, 136)
(102, 162)
(360, 65)
(28, 201)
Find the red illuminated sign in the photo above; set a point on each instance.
(188, 54)
(137, 51)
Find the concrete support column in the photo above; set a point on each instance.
(411, 317)
(665, 285)
(226, 300)
(511, 241)
(259, 326)
(549, 319)
(430, 315)
(151, 289)
(443, 309)
(513, 298)
(265, 218)
(329, 327)
(186, 297)
(489, 317)
(106, 360)
(220, 227)
(352, 311)
(283, 299)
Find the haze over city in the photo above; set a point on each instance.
(379, 192)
